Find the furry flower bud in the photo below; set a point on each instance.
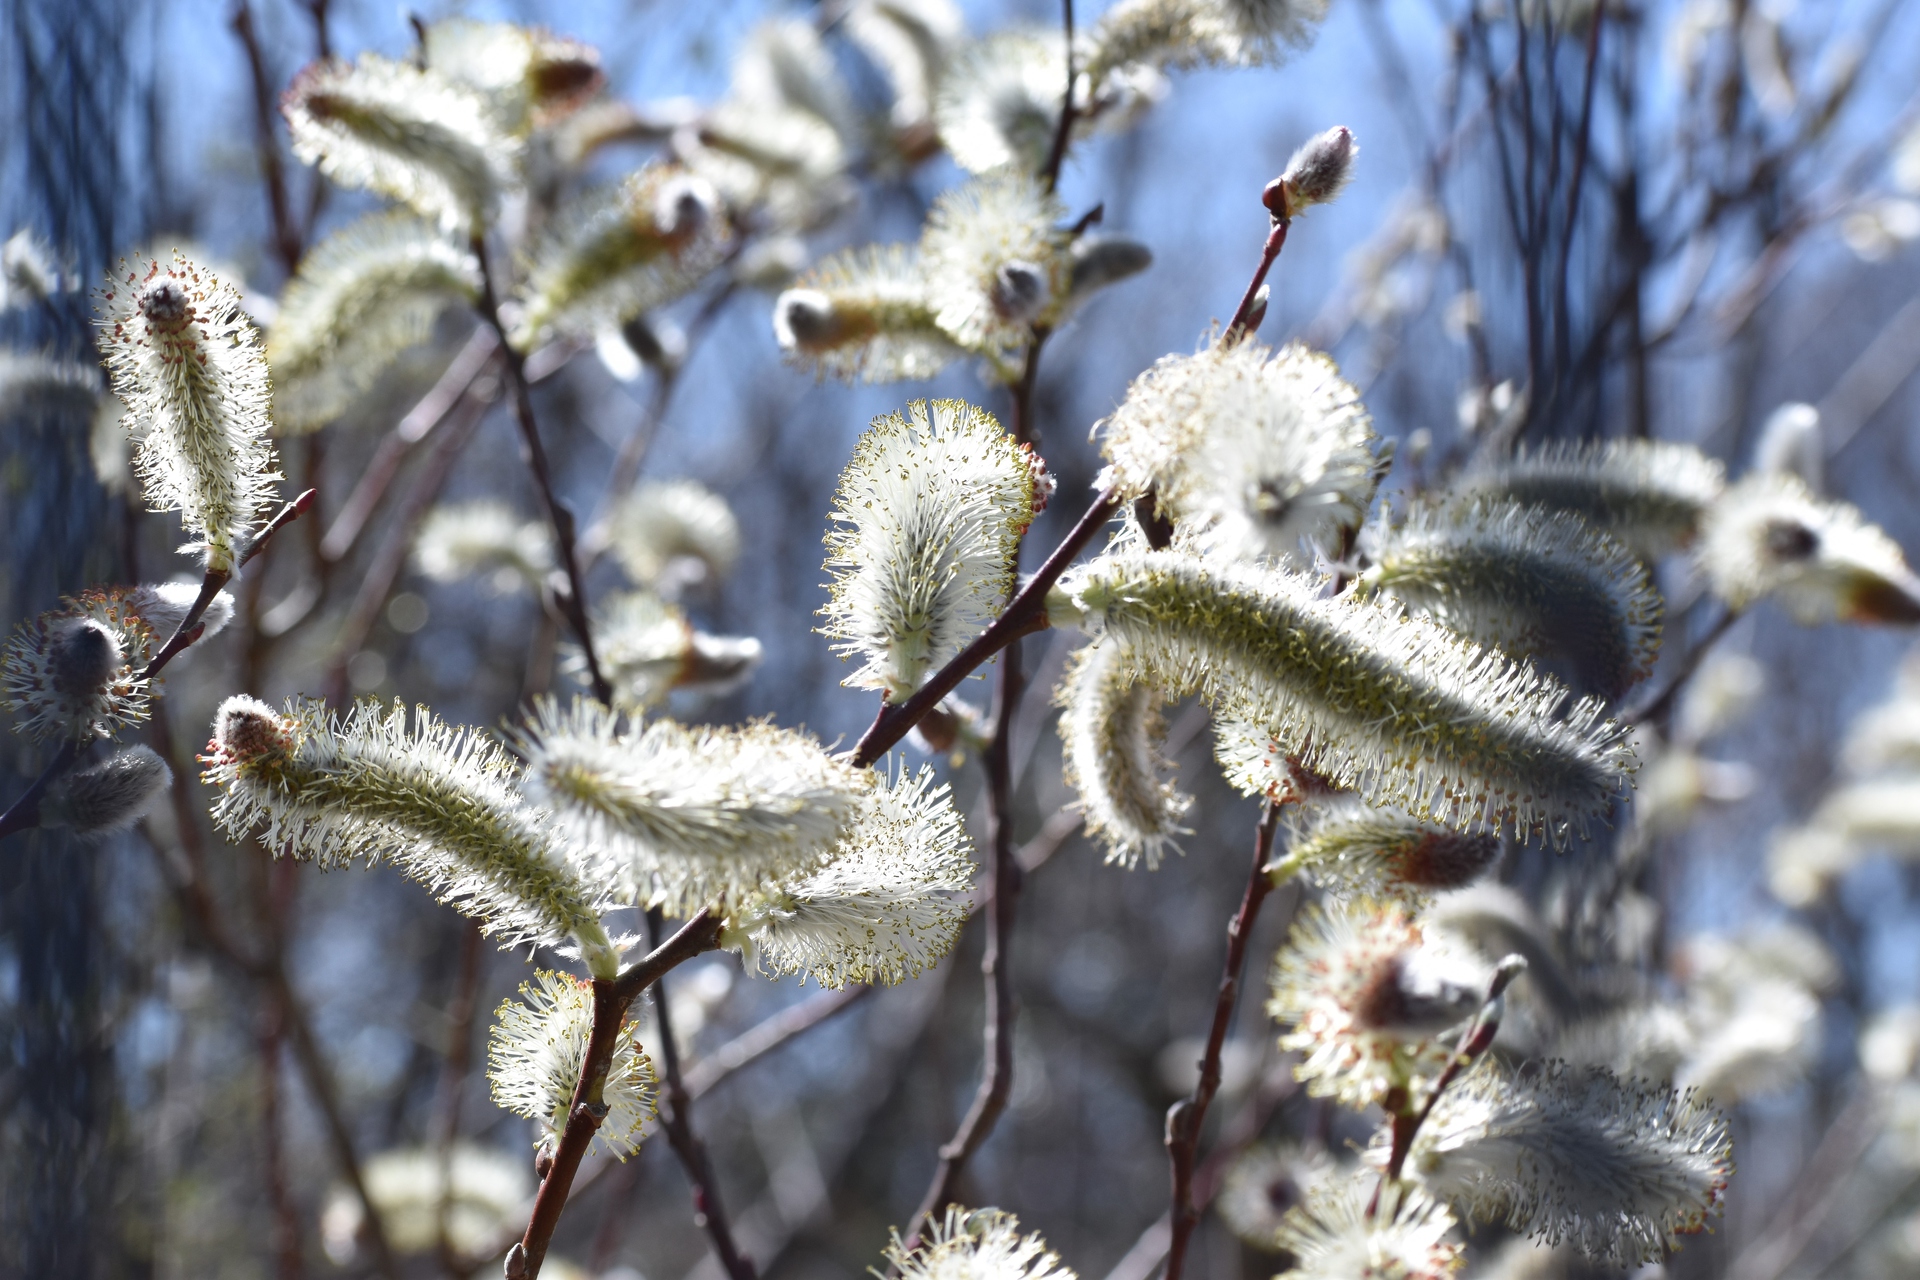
(1354, 849)
(406, 132)
(535, 1052)
(1340, 1234)
(1618, 1170)
(1769, 536)
(188, 365)
(361, 297)
(1536, 584)
(1397, 708)
(1109, 724)
(76, 672)
(527, 77)
(463, 539)
(1649, 494)
(994, 262)
(1185, 33)
(929, 514)
(163, 606)
(1315, 174)
(109, 797)
(1363, 1003)
(439, 802)
(1099, 261)
(881, 908)
(998, 103)
(613, 254)
(1250, 453)
(979, 1244)
(863, 315)
(674, 535)
(679, 817)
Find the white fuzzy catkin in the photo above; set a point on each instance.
(460, 540)
(911, 42)
(527, 76)
(534, 1056)
(163, 606)
(612, 254)
(1263, 1182)
(437, 801)
(863, 315)
(1650, 494)
(1361, 1005)
(998, 105)
(188, 364)
(1769, 536)
(1534, 583)
(928, 520)
(478, 1194)
(1618, 1170)
(1109, 724)
(1350, 847)
(1185, 33)
(361, 297)
(41, 392)
(679, 817)
(1341, 1234)
(405, 132)
(1250, 453)
(109, 797)
(661, 528)
(1396, 708)
(994, 262)
(77, 672)
(976, 1244)
(882, 908)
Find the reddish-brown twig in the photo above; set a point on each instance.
(611, 1000)
(1185, 1117)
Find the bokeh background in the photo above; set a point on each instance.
(1738, 246)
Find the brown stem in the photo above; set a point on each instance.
(1057, 153)
(1026, 612)
(286, 236)
(708, 1210)
(558, 515)
(996, 1075)
(1185, 1117)
(1657, 705)
(1243, 324)
(611, 999)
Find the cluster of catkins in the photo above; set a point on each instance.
(1413, 684)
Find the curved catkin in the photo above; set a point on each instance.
(436, 800)
(615, 253)
(189, 367)
(1534, 583)
(928, 518)
(863, 315)
(1396, 708)
(1353, 848)
(1617, 1169)
(1109, 724)
(1650, 494)
(361, 297)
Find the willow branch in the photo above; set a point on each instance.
(558, 515)
(611, 1000)
(1657, 705)
(1062, 133)
(1026, 613)
(1185, 1117)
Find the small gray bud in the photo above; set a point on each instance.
(1099, 261)
(516, 1266)
(1317, 171)
(83, 657)
(163, 607)
(1020, 291)
(108, 797)
(805, 319)
(165, 305)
